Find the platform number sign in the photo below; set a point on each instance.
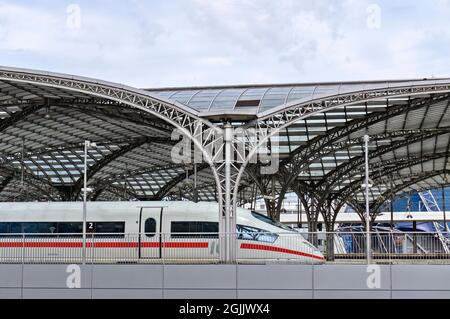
(374, 277)
(73, 280)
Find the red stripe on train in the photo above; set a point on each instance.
(185, 245)
(148, 245)
(279, 250)
(40, 245)
(102, 245)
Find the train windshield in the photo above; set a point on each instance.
(270, 221)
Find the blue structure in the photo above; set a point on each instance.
(412, 202)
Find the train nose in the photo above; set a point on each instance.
(319, 258)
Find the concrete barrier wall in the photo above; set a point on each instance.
(225, 281)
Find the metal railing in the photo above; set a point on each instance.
(391, 246)
(307, 248)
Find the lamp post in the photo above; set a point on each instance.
(366, 149)
(446, 229)
(87, 145)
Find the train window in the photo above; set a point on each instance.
(10, 228)
(210, 227)
(106, 229)
(15, 228)
(270, 221)
(70, 228)
(40, 228)
(28, 228)
(195, 230)
(61, 228)
(150, 227)
(256, 234)
(180, 227)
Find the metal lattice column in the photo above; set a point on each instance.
(227, 171)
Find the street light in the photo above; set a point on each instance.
(367, 186)
(87, 145)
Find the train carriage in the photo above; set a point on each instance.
(141, 232)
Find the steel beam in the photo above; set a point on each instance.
(175, 181)
(98, 166)
(349, 167)
(325, 145)
(19, 116)
(355, 186)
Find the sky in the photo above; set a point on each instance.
(157, 43)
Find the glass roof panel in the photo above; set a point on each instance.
(227, 99)
(203, 99)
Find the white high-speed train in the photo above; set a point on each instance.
(128, 231)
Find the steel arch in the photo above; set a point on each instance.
(185, 119)
(285, 115)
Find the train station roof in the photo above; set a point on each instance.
(46, 117)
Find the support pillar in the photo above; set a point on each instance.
(313, 224)
(415, 237)
(443, 210)
(391, 206)
(308, 201)
(228, 171)
(228, 227)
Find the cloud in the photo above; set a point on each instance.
(202, 42)
(22, 28)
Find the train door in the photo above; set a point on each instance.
(150, 236)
